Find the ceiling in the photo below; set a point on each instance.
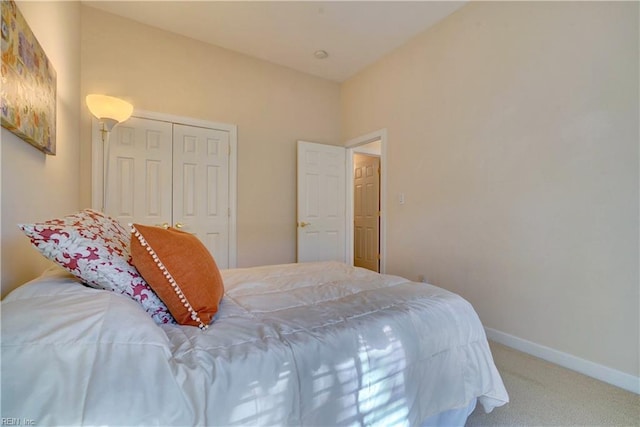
(355, 34)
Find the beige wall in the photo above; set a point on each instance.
(35, 186)
(272, 106)
(513, 132)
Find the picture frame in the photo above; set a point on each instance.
(29, 88)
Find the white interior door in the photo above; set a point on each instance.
(366, 211)
(138, 176)
(162, 173)
(321, 202)
(201, 187)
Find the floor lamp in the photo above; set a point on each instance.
(109, 111)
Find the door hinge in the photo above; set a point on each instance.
(379, 257)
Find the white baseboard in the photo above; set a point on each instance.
(600, 372)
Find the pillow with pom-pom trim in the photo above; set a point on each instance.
(180, 269)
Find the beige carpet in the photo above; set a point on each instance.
(544, 394)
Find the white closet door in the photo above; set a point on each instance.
(201, 187)
(138, 178)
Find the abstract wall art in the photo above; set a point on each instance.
(28, 83)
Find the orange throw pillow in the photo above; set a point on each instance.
(180, 269)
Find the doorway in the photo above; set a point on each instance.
(366, 210)
(370, 145)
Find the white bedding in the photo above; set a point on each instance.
(299, 344)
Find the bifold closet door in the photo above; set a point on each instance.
(138, 175)
(162, 173)
(201, 187)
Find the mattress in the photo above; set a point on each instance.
(299, 344)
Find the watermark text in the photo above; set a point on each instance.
(17, 421)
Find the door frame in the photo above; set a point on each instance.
(352, 147)
(98, 155)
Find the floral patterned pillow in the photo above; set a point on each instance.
(95, 248)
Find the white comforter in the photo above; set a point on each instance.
(299, 344)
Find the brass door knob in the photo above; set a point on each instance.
(304, 224)
(179, 225)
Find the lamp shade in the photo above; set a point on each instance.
(109, 109)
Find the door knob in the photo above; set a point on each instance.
(164, 225)
(304, 224)
(179, 225)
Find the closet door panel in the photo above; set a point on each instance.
(138, 179)
(201, 187)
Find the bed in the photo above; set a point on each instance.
(312, 344)
(138, 326)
